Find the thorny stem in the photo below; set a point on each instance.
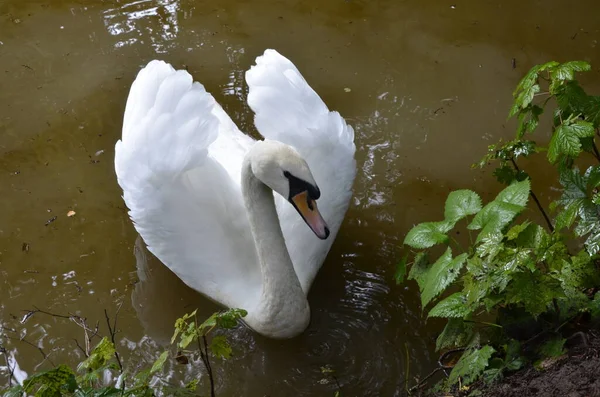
(534, 197)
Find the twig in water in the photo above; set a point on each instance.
(11, 370)
(113, 330)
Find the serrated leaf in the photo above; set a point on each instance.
(566, 71)
(461, 203)
(229, 318)
(457, 333)
(592, 243)
(471, 365)
(566, 140)
(490, 246)
(516, 194)
(428, 234)
(513, 360)
(533, 291)
(453, 306)
(401, 270)
(441, 274)
(566, 217)
(220, 347)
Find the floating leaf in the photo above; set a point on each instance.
(428, 234)
(471, 365)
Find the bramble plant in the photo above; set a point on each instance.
(527, 276)
(89, 378)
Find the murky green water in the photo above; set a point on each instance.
(429, 84)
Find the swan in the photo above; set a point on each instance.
(235, 218)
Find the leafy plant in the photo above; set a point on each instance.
(88, 380)
(515, 272)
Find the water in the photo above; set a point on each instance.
(427, 86)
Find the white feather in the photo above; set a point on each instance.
(179, 165)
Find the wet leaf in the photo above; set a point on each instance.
(471, 365)
(441, 274)
(461, 203)
(220, 347)
(457, 333)
(159, 363)
(428, 234)
(99, 357)
(401, 270)
(453, 306)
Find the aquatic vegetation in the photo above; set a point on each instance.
(516, 290)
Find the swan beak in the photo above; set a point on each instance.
(307, 208)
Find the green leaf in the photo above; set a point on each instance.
(401, 270)
(566, 140)
(500, 212)
(419, 269)
(181, 324)
(51, 383)
(566, 217)
(457, 333)
(514, 232)
(99, 357)
(229, 318)
(553, 347)
(471, 365)
(159, 363)
(428, 234)
(592, 243)
(441, 274)
(567, 70)
(595, 307)
(534, 291)
(490, 246)
(460, 204)
(453, 306)
(220, 347)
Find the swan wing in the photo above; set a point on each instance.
(176, 168)
(288, 110)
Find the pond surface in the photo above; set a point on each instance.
(426, 85)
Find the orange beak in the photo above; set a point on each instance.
(307, 208)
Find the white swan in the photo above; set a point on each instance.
(200, 194)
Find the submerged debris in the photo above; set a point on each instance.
(49, 221)
(71, 213)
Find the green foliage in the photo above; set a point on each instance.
(519, 268)
(471, 365)
(63, 381)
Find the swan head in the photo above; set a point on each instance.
(281, 168)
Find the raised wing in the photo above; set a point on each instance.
(182, 199)
(290, 111)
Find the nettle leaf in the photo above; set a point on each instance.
(453, 306)
(457, 333)
(428, 234)
(566, 139)
(220, 347)
(471, 365)
(500, 212)
(441, 274)
(401, 270)
(461, 203)
(490, 246)
(566, 71)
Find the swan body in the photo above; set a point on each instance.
(234, 218)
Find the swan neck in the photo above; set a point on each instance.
(283, 305)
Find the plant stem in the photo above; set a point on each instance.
(596, 153)
(113, 330)
(484, 323)
(210, 373)
(534, 197)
